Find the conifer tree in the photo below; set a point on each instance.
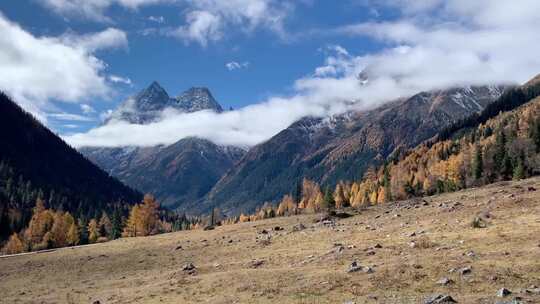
(14, 245)
(105, 226)
(116, 227)
(478, 163)
(73, 235)
(93, 231)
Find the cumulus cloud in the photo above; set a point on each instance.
(437, 45)
(36, 70)
(202, 27)
(233, 65)
(207, 20)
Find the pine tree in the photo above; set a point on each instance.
(478, 163)
(105, 226)
(328, 201)
(500, 156)
(116, 222)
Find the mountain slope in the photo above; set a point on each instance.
(35, 162)
(182, 172)
(176, 174)
(343, 147)
(500, 143)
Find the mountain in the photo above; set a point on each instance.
(500, 143)
(35, 162)
(147, 106)
(182, 172)
(343, 147)
(176, 174)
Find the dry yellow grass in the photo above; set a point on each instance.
(307, 266)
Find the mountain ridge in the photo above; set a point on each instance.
(342, 147)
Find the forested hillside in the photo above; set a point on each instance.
(500, 143)
(343, 147)
(35, 163)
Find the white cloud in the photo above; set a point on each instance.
(110, 38)
(93, 9)
(87, 109)
(119, 79)
(233, 65)
(202, 27)
(205, 21)
(437, 45)
(208, 20)
(69, 117)
(37, 70)
(157, 19)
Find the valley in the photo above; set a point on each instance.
(402, 249)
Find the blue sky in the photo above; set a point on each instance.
(274, 62)
(69, 61)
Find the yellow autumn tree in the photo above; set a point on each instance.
(14, 245)
(243, 218)
(287, 206)
(41, 222)
(60, 230)
(339, 196)
(93, 231)
(149, 216)
(73, 237)
(131, 228)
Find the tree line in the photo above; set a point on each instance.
(49, 228)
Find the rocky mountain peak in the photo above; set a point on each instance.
(197, 99)
(147, 105)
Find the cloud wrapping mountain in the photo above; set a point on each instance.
(441, 45)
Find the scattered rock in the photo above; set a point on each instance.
(533, 290)
(342, 215)
(354, 267)
(465, 270)
(230, 241)
(190, 269)
(367, 269)
(531, 189)
(378, 246)
(298, 227)
(96, 302)
(256, 263)
(471, 254)
(370, 253)
(179, 247)
(503, 292)
(277, 228)
(264, 231)
(445, 281)
(440, 299)
(210, 227)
